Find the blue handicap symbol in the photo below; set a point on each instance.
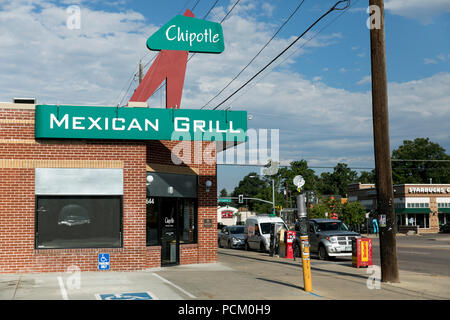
(103, 261)
(126, 296)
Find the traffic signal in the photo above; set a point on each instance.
(241, 198)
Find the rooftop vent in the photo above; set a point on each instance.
(25, 100)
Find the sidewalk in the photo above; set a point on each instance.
(240, 276)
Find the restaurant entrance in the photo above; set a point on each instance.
(171, 214)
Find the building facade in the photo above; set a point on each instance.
(63, 202)
(419, 207)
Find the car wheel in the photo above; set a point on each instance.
(323, 255)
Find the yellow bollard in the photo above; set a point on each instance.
(306, 263)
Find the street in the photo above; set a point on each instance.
(426, 253)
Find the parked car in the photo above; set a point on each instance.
(328, 238)
(257, 231)
(232, 237)
(445, 228)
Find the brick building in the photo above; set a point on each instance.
(418, 207)
(65, 201)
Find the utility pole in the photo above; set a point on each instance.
(383, 169)
(140, 71)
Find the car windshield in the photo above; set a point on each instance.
(331, 226)
(236, 230)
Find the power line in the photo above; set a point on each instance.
(253, 59)
(195, 5)
(223, 19)
(300, 47)
(335, 7)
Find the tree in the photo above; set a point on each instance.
(250, 186)
(337, 181)
(287, 174)
(353, 213)
(420, 171)
(367, 177)
(318, 211)
(223, 193)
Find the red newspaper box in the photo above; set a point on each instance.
(361, 252)
(290, 237)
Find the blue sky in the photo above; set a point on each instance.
(318, 98)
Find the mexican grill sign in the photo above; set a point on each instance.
(184, 33)
(79, 122)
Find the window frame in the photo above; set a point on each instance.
(36, 233)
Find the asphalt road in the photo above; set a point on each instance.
(427, 253)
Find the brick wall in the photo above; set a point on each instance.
(20, 154)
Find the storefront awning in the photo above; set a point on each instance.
(412, 210)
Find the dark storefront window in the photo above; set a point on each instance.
(188, 232)
(185, 216)
(78, 222)
(152, 227)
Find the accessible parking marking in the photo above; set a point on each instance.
(127, 296)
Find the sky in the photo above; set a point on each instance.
(317, 95)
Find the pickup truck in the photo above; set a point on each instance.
(328, 238)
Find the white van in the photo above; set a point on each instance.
(257, 231)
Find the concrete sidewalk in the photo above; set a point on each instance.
(240, 276)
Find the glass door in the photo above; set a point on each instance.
(169, 233)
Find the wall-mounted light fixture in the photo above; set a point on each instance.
(149, 180)
(208, 185)
(170, 190)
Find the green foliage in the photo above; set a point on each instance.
(337, 181)
(353, 213)
(223, 193)
(318, 211)
(367, 177)
(417, 171)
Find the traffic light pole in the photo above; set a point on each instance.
(383, 169)
(304, 242)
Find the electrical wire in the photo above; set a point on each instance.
(291, 54)
(334, 8)
(223, 19)
(195, 5)
(259, 52)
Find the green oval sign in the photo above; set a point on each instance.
(188, 34)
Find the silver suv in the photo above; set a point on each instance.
(329, 238)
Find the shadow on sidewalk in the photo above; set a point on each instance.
(295, 264)
(281, 283)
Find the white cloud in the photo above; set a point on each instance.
(429, 61)
(42, 58)
(422, 10)
(365, 80)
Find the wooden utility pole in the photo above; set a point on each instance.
(385, 194)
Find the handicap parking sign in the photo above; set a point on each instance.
(103, 261)
(126, 296)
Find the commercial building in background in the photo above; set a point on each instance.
(418, 207)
